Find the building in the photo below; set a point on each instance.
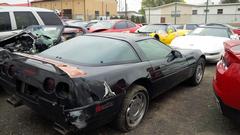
(129, 14)
(187, 13)
(80, 9)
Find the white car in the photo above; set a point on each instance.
(14, 19)
(207, 39)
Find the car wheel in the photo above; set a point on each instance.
(198, 73)
(157, 37)
(134, 107)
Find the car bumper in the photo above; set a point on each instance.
(76, 119)
(213, 57)
(226, 85)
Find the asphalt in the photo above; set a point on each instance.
(184, 110)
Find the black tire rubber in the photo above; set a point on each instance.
(157, 37)
(192, 80)
(120, 122)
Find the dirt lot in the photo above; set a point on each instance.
(183, 111)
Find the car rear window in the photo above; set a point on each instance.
(50, 18)
(89, 50)
(5, 23)
(25, 19)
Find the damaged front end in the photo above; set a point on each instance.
(61, 93)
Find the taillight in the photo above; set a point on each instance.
(49, 85)
(62, 90)
(226, 63)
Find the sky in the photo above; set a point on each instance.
(132, 4)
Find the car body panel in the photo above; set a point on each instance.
(226, 81)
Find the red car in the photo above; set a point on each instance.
(226, 83)
(114, 26)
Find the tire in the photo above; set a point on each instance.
(123, 122)
(197, 76)
(157, 37)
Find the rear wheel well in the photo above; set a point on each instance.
(145, 83)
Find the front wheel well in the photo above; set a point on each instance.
(145, 82)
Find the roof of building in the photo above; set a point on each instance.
(20, 8)
(192, 5)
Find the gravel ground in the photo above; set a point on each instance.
(184, 110)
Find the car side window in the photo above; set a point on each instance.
(131, 25)
(121, 25)
(50, 18)
(154, 49)
(5, 22)
(25, 19)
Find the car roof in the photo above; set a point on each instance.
(121, 36)
(216, 27)
(18, 8)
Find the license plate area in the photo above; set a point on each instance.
(27, 90)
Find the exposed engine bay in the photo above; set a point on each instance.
(35, 39)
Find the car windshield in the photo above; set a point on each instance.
(52, 32)
(216, 32)
(152, 28)
(90, 50)
(103, 25)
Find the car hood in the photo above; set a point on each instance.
(207, 44)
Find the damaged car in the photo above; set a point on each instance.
(35, 39)
(97, 78)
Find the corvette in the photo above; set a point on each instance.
(93, 79)
(226, 81)
(208, 39)
(162, 32)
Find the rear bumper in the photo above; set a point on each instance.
(76, 119)
(226, 85)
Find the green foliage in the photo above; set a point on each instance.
(230, 1)
(154, 3)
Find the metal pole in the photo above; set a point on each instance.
(102, 9)
(84, 8)
(206, 15)
(28, 3)
(149, 15)
(175, 16)
(126, 9)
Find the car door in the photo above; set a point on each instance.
(5, 25)
(121, 26)
(166, 71)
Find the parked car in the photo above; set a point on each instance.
(14, 19)
(77, 23)
(235, 29)
(78, 90)
(208, 39)
(188, 27)
(114, 26)
(162, 32)
(226, 81)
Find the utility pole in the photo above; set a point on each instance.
(126, 9)
(206, 15)
(28, 3)
(149, 15)
(175, 14)
(102, 9)
(84, 8)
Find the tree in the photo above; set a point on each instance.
(154, 3)
(229, 1)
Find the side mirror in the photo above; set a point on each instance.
(173, 55)
(235, 37)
